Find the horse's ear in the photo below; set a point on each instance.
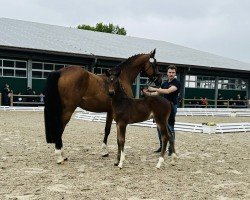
(152, 54)
(107, 72)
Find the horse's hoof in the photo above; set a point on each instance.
(120, 166)
(105, 155)
(60, 162)
(158, 166)
(65, 159)
(116, 164)
(173, 163)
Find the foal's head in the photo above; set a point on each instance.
(113, 81)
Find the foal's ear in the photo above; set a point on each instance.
(107, 72)
(118, 71)
(152, 53)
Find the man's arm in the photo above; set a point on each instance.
(163, 91)
(149, 93)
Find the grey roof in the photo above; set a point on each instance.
(38, 36)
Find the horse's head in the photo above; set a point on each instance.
(113, 81)
(150, 69)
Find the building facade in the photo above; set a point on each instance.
(26, 60)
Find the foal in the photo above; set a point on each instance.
(127, 110)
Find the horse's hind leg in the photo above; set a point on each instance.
(66, 115)
(60, 158)
(109, 120)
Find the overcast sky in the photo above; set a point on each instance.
(220, 27)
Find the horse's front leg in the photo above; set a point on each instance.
(121, 131)
(109, 120)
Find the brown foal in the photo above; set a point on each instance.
(127, 110)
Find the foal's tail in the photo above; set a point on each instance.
(52, 108)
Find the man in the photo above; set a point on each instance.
(170, 90)
(6, 95)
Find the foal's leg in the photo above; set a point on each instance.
(121, 130)
(109, 120)
(172, 146)
(164, 139)
(66, 115)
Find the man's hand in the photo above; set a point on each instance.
(151, 89)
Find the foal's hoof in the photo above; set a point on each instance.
(61, 162)
(105, 155)
(120, 166)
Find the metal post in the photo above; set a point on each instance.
(11, 99)
(216, 92)
(248, 89)
(183, 83)
(137, 86)
(29, 73)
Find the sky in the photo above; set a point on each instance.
(221, 27)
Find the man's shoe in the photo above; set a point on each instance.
(158, 150)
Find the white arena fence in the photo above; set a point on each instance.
(179, 126)
(219, 112)
(19, 108)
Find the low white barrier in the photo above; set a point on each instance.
(18, 108)
(179, 126)
(220, 112)
(233, 127)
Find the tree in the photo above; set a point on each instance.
(100, 27)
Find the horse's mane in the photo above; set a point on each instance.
(129, 61)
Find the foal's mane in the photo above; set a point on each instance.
(129, 61)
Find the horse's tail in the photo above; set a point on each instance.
(52, 109)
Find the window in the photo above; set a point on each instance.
(37, 66)
(57, 67)
(40, 70)
(21, 65)
(49, 67)
(13, 68)
(8, 72)
(205, 82)
(21, 73)
(45, 74)
(37, 74)
(232, 84)
(8, 63)
(99, 70)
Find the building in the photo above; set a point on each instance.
(29, 51)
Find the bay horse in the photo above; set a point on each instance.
(72, 86)
(127, 110)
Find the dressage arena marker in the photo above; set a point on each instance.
(179, 126)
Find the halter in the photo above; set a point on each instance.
(151, 80)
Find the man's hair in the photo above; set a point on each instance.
(172, 67)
